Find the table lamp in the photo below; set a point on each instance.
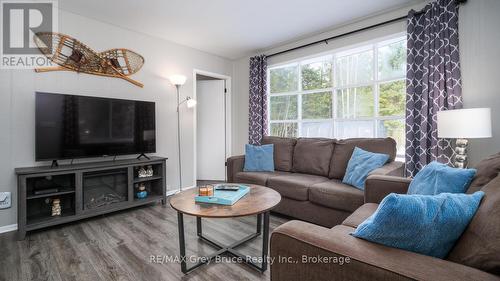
(463, 124)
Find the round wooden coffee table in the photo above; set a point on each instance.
(259, 201)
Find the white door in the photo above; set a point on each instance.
(211, 131)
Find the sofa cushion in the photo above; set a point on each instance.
(479, 245)
(312, 156)
(259, 178)
(283, 152)
(337, 195)
(487, 170)
(360, 215)
(259, 158)
(361, 164)
(424, 224)
(344, 148)
(310, 212)
(436, 178)
(294, 186)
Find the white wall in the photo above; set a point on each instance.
(480, 64)
(163, 58)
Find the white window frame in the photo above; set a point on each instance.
(374, 83)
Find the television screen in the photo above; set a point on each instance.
(69, 126)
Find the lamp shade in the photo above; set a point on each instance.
(177, 79)
(190, 103)
(464, 123)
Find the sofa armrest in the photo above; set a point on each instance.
(378, 186)
(234, 164)
(393, 168)
(304, 251)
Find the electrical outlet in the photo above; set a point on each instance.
(5, 200)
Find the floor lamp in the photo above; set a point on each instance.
(178, 81)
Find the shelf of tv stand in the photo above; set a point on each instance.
(90, 165)
(150, 198)
(62, 192)
(137, 180)
(34, 221)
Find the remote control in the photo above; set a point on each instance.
(227, 187)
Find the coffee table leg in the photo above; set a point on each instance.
(259, 223)
(199, 230)
(265, 242)
(265, 245)
(182, 242)
(225, 249)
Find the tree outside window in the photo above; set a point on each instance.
(354, 93)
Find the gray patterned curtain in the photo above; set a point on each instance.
(257, 113)
(432, 81)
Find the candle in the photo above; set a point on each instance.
(206, 190)
(210, 190)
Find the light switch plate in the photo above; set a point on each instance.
(5, 200)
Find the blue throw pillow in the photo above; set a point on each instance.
(259, 158)
(362, 162)
(438, 178)
(425, 224)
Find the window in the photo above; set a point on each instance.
(355, 93)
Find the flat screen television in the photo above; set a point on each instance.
(70, 126)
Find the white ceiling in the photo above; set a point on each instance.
(229, 28)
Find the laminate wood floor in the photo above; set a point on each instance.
(119, 246)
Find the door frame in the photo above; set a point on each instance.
(228, 117)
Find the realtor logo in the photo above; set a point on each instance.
(21, 20)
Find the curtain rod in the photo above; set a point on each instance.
(349, 33)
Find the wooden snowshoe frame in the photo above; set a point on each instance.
(72, 55)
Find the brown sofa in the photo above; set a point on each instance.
(308, 175)
(476, 255)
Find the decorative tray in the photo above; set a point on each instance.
(224, 197)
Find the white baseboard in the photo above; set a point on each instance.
(172, 192)
(8, 228)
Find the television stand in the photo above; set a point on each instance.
(54, 164)
(85, 190)
(142, 155)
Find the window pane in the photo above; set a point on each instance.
(317, 75)
(355, 102)
(392, 98)
(285, 130)
(354, 129)
(284, 79)
(354, 69)
(284, 108)
(394, 129)
(317, 106)
(317, 129)
(392, 60)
